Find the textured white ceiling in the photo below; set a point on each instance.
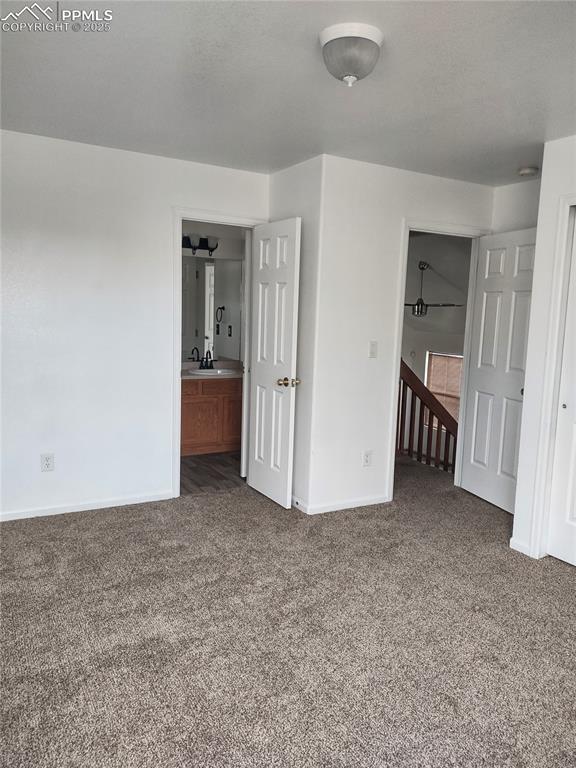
(468, 90)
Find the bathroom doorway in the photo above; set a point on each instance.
(212, 356)
(224, 400)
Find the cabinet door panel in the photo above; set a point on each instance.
(232, 418)
(201, 420)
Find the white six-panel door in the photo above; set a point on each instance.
(274, 286)
(497, 363)
(562, 532)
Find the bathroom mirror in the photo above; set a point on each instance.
(211, 306)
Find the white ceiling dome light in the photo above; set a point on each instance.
(350, 50)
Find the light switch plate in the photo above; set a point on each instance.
(373, 349)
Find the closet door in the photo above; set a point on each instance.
(562, 532)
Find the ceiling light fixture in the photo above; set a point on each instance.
(351, 50)
(528, 170)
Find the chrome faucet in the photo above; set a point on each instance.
(209, 361)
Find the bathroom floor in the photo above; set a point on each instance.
(210, 472)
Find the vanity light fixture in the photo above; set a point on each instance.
(196, 242)
(350, 50)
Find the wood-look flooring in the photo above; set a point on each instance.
(209, 472)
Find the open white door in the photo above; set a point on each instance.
(562, 534)
(275, 271)
(497, 362)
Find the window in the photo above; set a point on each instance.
(443, 377)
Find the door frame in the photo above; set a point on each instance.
(435, 228)
(179, 215)
(537, 544)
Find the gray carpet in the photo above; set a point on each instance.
(222, 631)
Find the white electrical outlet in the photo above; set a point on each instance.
(367, 459)
(47, 462)
(373, 349)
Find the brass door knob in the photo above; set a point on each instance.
(295, 382)
(285, 382)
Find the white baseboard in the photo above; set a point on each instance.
(122, 501)
(338, 506)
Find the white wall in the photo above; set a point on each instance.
(88, 315)
(415, 345)
(297, 191)
(516, 206)
(539, 413)
(360, 297)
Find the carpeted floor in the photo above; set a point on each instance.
(224, 632)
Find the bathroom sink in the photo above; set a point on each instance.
(213, 372)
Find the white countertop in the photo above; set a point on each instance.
(231, 374)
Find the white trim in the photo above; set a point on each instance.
(466, 353)
(438, 228)
(179, 214)
(337, 506)
(551, 366)
(121, 501)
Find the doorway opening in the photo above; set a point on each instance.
(480, 443)
(433, 344)
(240, 397)
(213, 356)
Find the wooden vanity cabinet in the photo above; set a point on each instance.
(211, 416)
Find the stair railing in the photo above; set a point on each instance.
(425, 430)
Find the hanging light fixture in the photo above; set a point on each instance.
(350, 50)
(420, 307)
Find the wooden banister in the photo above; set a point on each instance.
(420, 411)
(428, 398)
